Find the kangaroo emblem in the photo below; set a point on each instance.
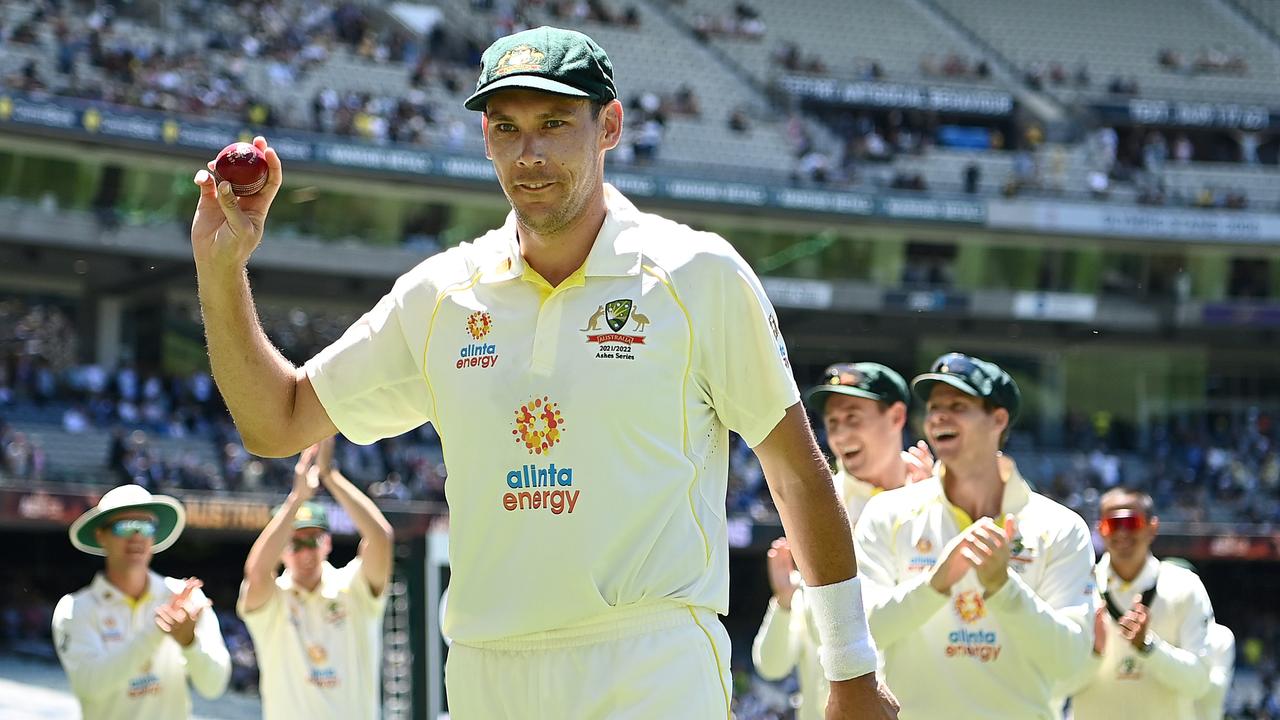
(594, 322)
(642, 321)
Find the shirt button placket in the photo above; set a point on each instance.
(546, 336)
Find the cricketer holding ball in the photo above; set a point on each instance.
(588, 458)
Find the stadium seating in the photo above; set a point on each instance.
(846, 36)
(1264, 12)
(1125, 39)
(657, 57)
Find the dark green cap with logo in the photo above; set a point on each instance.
(309, 515)
(869, 380)
(971, 376)
(548, 59)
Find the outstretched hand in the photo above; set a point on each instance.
(227, 229)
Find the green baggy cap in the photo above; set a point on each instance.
(548, 59)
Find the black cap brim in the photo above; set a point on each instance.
(526, 82)
(923, 385)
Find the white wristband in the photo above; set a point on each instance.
(846, 651)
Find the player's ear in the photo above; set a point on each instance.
(610, 121)
(484, 132)
(898, 415)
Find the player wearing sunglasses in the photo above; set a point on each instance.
(130, 641)
(1150, 646)
(979, 590)
(317, 628)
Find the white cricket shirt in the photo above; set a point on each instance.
(788, 639)
(1221, 644)
(585, 427)
(962, 655)
(319, 652)
(121, 666)
(1164, 684)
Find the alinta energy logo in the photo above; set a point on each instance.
(977, 643)
(614, 343)
(539, 427)
(481, 355)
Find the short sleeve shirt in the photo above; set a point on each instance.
(319, 652)
(585, 426)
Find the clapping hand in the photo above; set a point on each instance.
(179, 615)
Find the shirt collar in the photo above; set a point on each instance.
(615, 252)
(1110, 581)
(326, 577)
(851, 487)
(1016, 491)
(104, 591)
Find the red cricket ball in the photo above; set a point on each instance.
(244, 166)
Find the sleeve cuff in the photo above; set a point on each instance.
(1011, 597)
(329, 401)
(777, 608)
(755, 435)
(920, 596)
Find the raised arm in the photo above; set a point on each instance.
(376, 536)
(264, 556)
(273, 404)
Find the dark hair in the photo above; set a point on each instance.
(1145, 503)
(991, 407)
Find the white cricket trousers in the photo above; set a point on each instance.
(659, 660)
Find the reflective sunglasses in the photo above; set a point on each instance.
(125, 528)
(305, 543)
(1126, 520)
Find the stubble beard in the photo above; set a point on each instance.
(561, 216)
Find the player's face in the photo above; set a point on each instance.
(959, 427)
(1126, 527)
(862, 434)
(548, 152)
(128, 537)
(306, 553)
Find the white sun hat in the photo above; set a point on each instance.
(171, 518)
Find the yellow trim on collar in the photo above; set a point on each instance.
(135, 604)
(577, 278)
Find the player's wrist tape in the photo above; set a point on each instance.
(846, 651)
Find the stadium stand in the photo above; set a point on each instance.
(1126, 41)
(855, 40)
(1264, 13)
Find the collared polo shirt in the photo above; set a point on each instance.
(585, 426)
(319, 651)
(966, 655)
(122, 666)
(1165, 683)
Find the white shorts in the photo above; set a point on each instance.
(655, 661)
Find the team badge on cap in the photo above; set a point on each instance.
(524, 58)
